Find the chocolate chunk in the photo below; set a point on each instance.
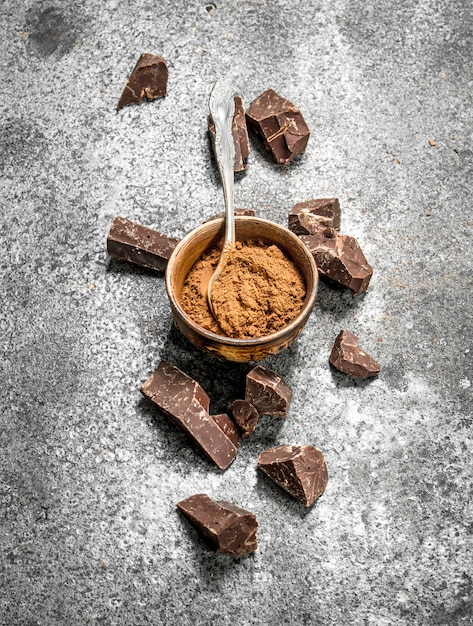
(267, 392)
(138, 244)
(340, 259)
(230, 529)
(186, 404)
(280, 124)
(300, 470)
(308, 218)
(243, 212)
(239, 133)
(242, 146)
(148, 80)
(245, 416)
(347, 357)
(226, 424)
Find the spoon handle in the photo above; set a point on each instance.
(222, 108)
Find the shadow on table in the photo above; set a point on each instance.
(117, 266)
(345, 381)
(336, 300)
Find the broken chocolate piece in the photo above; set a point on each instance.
(186, 404)
(300, 470)
(245, 416)
(267, 392)
(230, 529)
(243, 212)
(347, 357)
(226, 424)
(239, 133)
(148, 80)
(340, 259)
(138, 244)
(280, 124)
(308, 218)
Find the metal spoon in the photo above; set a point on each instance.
(222, 108)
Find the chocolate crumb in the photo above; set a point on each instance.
(229, 528)
(268, 392)
(348, 358)
(186, 404)
(143, 246)
(280, 124)
(300, 470)
(245, 416)
(147, 81)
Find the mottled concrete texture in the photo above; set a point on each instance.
(89, 472)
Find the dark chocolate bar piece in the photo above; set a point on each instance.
(267, 392)
(300, 470)
(148, 80)
(226, 424)
(308, 218)
(239, 133)
(340, 259)
(245, 416)
(138, 244)
(230, 529)
(280, 124)
(347, 357)
(186, 404)
(243, 212)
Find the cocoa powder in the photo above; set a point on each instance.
(259, 291)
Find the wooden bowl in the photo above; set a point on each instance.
(207, 236)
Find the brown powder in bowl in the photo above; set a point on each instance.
(260, 290)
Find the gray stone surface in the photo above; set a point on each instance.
(89, 472)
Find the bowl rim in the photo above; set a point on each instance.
(236, 341)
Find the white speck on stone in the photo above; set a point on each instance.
(122, 455)
(262, 577)
(352, 413)
(465, 383)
